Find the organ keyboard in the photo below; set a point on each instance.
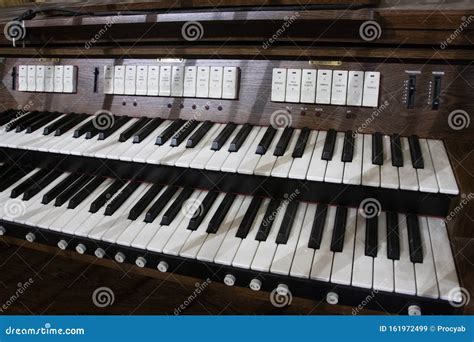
(327, 178)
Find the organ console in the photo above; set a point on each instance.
(315, 148)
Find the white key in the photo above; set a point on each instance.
(353, 170)
(426, 175)
(322, 260)
(250, 161)
(205, 143)
(317, 167)
(283, 258)
(231, 243)
(233, 161)
(283, 164)
(102, 148)
(213, 241)
(335, 167)
(248, 247)
(303, 259)
(35, 136)
(299, 167)
(408, 177)
(55, 145)
(71, 144)
(265, 164)
(444, 262)
(120, 148)
(177, 151)
(218, 158)
(444, 172)
(363, 264)
(148, 149)
(383, 266)
(388, 172)
(370, 172)
(425, 274)
(404, 272)
(342, 264)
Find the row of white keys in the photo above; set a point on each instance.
(211, 246)
(323, 256)
(234, 160)
(407, 173)
(120, 148)
(353, 170)
(175, 152)
(103, 148)
(195, 240)
(444, 172)
(300, 166)
(370, 172)
(218, 158)
(388, 172)
(383, 266)
(59, 143)
(342, 264)
(425, 273)
(362, 269)
(283, 163)
(231, 243)
(250, 160)
(266, 249)
(426, 175)
(145, 150)
(28, 139)
(283, 258)
(335, 166)
(267, 161)
(205, 143)
(404, 272)
(244, 256)
(70, 144)
(317, 167)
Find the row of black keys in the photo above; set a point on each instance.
(180, 129)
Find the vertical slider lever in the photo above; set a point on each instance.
(411, 92)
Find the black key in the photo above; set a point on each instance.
(196, 137)
(202, 210)
(78, 118)
(174, 209)
(95, 129)
(318, 226)
(220, 213)
(130, 131)
(183, 133)
(160, 203)
(240, 137)
(6, 169)
(337, 241)
(19, 189)
(84, 192)
(220, 140)
(7, 116)
(119, 121)
(121, 198)
(348, 149)
(53, 126)
(415, 151)
(146, 131)
(249, 217)
(138, 208)
(268, 219)
(266, 140)
(41, 184)
(371, 236)
(414, 238)
(59, 188)
(301, 143)
(20, 120)
(41, 122)
(87, 127)
(282, 143)
(169, 132)
(13, 177)
(396, 150)
(329, 143)
(377, 149)
(287, 223)
(23, 125)
(72, 190)
(393, 242)
(106, 195)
